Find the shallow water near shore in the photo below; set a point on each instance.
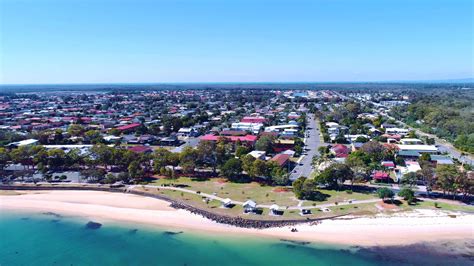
(54, 239)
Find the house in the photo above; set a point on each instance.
(258, 154)
(410, 167)
(441, 159)
(381, 176)
(430, 149)
(399, 131)
(129, 127)
(26, 142)
(355, 146)
(254, 120)
(170, 141)
(387, 125)
(187, 132)
(247, 139)
(410, 141)
(283, 145)
(111, 138)
(140, 149)
(388, 164)
(281, 159)
(340, 150)
(250, 127)
(249, 206)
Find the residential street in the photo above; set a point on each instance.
(312, 143)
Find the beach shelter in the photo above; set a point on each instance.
(227, 203)
(274, 209)
(250, 206)
(305, 212)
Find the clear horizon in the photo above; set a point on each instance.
(208, 41)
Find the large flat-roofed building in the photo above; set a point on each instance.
(250, 127)
(26, 142)
(416, 150)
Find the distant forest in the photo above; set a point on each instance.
(447, 114)
(361, 87)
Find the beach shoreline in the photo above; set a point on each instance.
(382, 230)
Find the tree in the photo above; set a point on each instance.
(307, 189)
(247, 164)
(260, 168)
(93, 136)
(232, 169)
(160, 159)
(134, 170)
(279, 175)
(4, 158)
(427, 174)
(425, 157)
(188, 158)
(385, 193)
(265, 143)
(335, 175)
(298, 187)
(103, 155)
(241, 151)
(206, 152)
(407, 194)
(409, 179)
(361, 139)
(446, 176)
(75, 130)
(374, 149)
(56, 158)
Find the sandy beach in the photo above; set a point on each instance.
(397, 229)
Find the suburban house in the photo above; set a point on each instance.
(281, 159)
(247, 139)
(340, 150)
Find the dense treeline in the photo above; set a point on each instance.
(448, 115)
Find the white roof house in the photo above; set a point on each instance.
(418, 148)
(410, 141)
(25, 142)
(280, 127)
(332, 124)
(258, 154)
(399, 131)
(252, 127)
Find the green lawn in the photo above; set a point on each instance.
(236, 191)
(257, 192)
(215, 206)
(340, 196)
(442, 206)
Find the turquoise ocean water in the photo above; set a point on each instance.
(53, 239)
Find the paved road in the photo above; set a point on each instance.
(312, 143)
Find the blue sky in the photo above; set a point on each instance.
(81, 41)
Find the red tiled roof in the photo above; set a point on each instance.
(127, 127)
(340, 149)
(252, 119)
(281, 159)
(140, 149)
(379, 175)
(246, 138)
